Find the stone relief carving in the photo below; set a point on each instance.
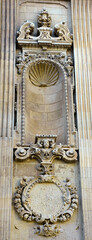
(62, 196)
(62, 32)
(60, 61)
(47, 230)
(26, 30)
(43, 74)
(69, 65)
(44, 19)
(24, 203)
(45, 40)
(45, 149)
(22, 61)
(63, 36)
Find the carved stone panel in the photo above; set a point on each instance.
(45, 185)
(45, 199)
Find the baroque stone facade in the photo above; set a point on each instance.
(45, 124)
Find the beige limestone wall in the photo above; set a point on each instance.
(81, 19)
(82, 31)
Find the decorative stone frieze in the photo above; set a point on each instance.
(28, 57)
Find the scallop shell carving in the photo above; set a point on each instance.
(43, 74)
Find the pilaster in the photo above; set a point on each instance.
(82, 32)
(6, 113)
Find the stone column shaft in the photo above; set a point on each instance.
(7, 64)
(82, 32)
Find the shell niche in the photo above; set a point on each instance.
(43, 74)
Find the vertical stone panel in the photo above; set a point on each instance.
(7, 44)
(81, 20)
(7, 67)
(5, 187)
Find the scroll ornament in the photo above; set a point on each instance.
(44, 32)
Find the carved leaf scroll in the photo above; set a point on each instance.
(63, 32)
(44, 32)
(25, 30)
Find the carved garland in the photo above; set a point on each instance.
(22, 204)
(45, 150)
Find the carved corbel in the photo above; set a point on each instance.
(20, 63)
(46, 150)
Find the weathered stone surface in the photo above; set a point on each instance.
(46, 112)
